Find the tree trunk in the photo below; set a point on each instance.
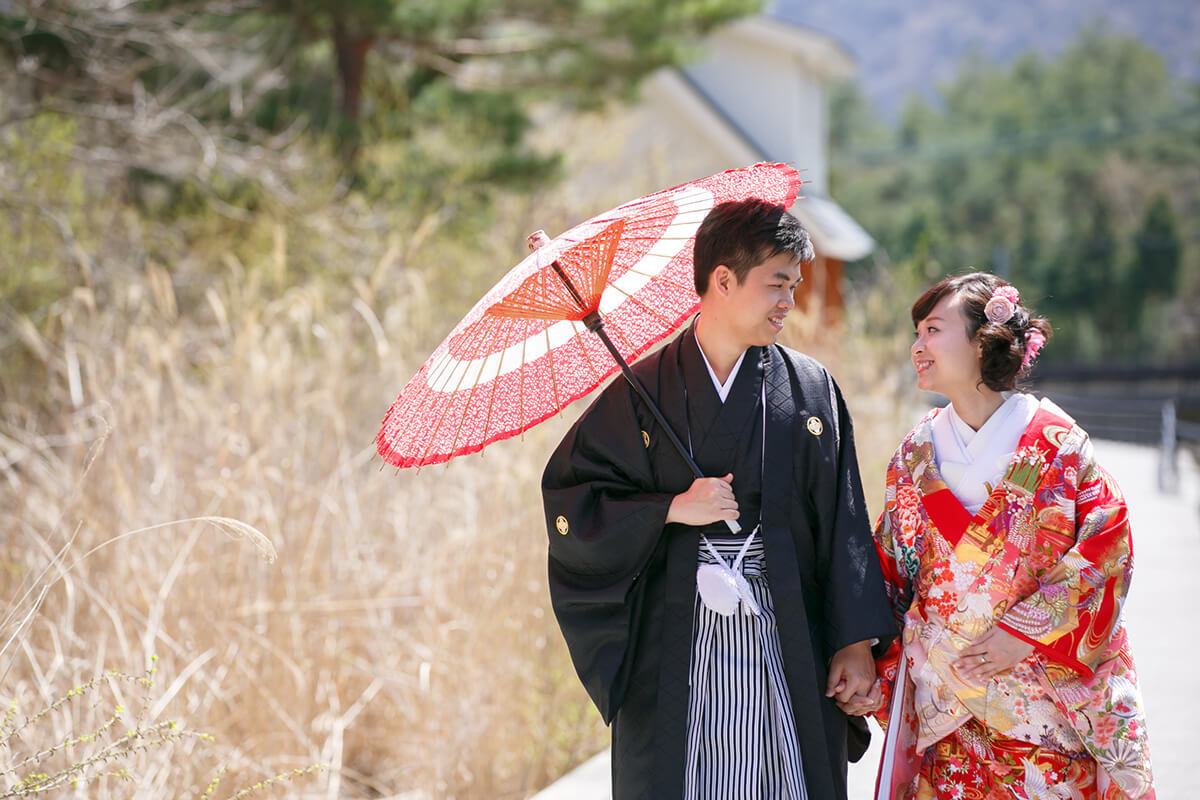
(351, 52)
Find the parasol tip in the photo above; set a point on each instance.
(537, 239)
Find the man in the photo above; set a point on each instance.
(705, 703)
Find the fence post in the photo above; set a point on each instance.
(1168, 474)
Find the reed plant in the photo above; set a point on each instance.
(402, 636)
(237, 369)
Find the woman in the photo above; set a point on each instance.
(1007, 554)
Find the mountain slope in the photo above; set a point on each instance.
(910, 46)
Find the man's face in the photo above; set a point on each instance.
(758, 305)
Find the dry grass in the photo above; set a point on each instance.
(403, 635)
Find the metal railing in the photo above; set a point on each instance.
(1173, 431)
(1152, 421)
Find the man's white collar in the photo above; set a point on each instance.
(722, 388)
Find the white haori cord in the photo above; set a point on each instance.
(722, 587)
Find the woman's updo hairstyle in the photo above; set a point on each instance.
(1007, 348)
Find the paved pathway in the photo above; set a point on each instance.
(1162, 617)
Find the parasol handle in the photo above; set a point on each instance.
(595, 324)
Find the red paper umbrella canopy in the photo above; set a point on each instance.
(524, 351)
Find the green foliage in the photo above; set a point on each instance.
(451, 84)
(1062, 174)
(46, 234)
(81, 759)
(1158, 251)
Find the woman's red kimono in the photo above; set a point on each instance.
(1048, 558)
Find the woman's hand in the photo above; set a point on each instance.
(862, 704)
(994, 652)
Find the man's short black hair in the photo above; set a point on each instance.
(741, 234)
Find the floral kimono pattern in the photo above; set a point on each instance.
(1048, 558)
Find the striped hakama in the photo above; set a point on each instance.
(741, 734)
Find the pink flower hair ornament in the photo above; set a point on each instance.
(1034, 340)
(1002, 304)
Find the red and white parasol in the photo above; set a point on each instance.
(560, 322)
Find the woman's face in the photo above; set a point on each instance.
(947, 362)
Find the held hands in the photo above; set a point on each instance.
(706, 500)
(994, 652)
(852, 681)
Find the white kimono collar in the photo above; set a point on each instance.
(973, 462)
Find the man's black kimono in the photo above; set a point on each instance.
(623, 582)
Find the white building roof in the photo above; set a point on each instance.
(835, 233)
(820, 54)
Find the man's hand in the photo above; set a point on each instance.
(706, 500)
(852, 672)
